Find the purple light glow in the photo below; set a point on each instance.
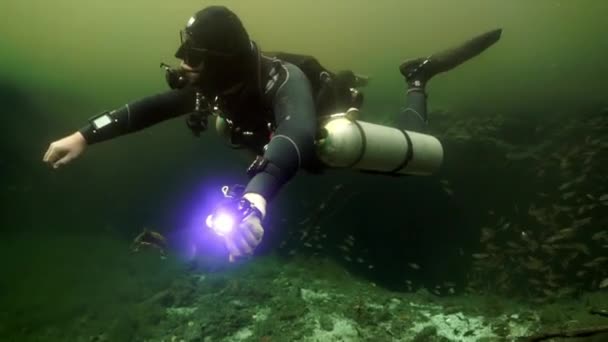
(222, 224)
(192, 239)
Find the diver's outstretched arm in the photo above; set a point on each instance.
(419, 71)
(139, 114)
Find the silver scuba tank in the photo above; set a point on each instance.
(345, 142)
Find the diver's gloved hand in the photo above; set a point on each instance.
(243, 240)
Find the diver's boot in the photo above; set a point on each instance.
(419, 71)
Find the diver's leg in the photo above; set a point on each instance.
(419, 71)
(413, 117)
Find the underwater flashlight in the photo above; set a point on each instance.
(231, 211)
(222, 223)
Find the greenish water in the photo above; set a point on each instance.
(66, 233)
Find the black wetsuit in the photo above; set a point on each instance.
(274, 117)
(280, 112)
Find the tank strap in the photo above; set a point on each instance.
(408, 156)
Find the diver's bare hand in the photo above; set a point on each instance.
(63, 151)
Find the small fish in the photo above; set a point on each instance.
(603, 283)
(561, 208)
(568, 195)
(565, 291)
(564, 186)
(534, 263)
(492, 247)
(414, 265)
(576, 246)
(581, 210)
(603, 198)
(566, 231)
(513, 245)
(548, 293)
(480, 255)
(595, 262)
(603, 235)
(582, 222)
(580, 179)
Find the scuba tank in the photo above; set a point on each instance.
(345, 142)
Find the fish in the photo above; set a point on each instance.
(603, 235)
(603, 198)
(595, 262)
(548, 293)
(486, 234)
(603, 283)
(564, 186)
(480, 255)
(414, 265)
(565, 291)
(568, 195)
(561, 208)
(566, 231)
(548, 249)
(580, 179)
(533, 263)
(582, 222)
(492, 247)
(576, 246)
(513, 245)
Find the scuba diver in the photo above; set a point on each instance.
(287, 109)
